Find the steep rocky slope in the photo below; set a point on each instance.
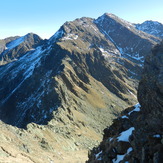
(74, 84)
(137, 135)
(13, 48)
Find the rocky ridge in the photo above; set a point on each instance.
(137, 135)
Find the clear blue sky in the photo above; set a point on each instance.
(44, 17)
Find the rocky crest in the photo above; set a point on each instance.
(137, 135)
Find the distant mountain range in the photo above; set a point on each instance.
(82, 77)
(10, 48)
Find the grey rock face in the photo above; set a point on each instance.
(150, 92)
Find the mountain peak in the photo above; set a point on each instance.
(152, 27)
(15, 47)
(110, 15)
(151, 22)
(112, 19)
(32, 37)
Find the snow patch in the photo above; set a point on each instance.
(98, 156)
(132, 94)
(151, 27)
(100, 19)
(157, 136)
(124, 117)
(121, 157)
(137, 108)
(124, 136)
(70, 37)
(135, 56)
(110, 139)
(106, 54)
(30, 62)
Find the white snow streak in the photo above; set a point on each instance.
(70, 37)
(124, 136)
(157, 136)
(97, 155)
(15, 43)
(121, 157)
(137, 108)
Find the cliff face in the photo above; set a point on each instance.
(150, 92)
(137, 135)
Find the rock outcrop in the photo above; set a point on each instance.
(137, 135)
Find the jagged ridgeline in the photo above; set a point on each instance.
(78, 80)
